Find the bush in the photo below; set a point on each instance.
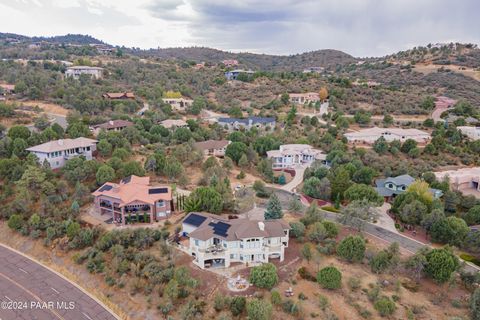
(329, 278)
(304, 274)
(275, 297)
(323, 302)
(237, 305)
(259, 310)
(289, 306)
(297, 229)
(475, 305)
(264, 276)
(15, 222)
(385, 306)
(352, 249)
(441, 263)
(354, 283)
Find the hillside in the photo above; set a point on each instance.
(68, 38)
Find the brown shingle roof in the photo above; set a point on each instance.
(114, 124)
(211, 144)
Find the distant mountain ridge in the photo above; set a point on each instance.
(68, 38)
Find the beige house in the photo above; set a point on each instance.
(178, 103)
(217, 242)
(370, 135)
(215, 148)
(465, 180)
(174, 123)
(112, 125)
(472, 133)
(304, 98)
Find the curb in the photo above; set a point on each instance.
(64, 278)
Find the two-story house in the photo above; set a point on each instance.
(58, 152)
(215, 148)
(133, 200)
(233, 124)
(292, 155)
(76, 71)
(393, 186)
(217, 242)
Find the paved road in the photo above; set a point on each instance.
(28, 290)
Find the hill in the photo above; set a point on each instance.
(68, 38)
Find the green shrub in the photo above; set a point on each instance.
(323, 302)
(352, 248)
(385, 306)
(264, 276)
(15, 222)
(329, 278)
(354, 283)
(259, 310)
(237, 305)
(275, 297)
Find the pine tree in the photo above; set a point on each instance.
(274, 208)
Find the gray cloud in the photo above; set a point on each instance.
(359, 27)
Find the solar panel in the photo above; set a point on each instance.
(220, 228)
(105, 188)
(158, 190)
(194, 220)
(126, 180)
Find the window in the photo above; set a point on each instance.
(160, 204)
(196, 242)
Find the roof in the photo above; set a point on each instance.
(211, 144)
(134, 188)
(297, 149)
(62, 144)
(310, 95)
(84, 68)
(374, 131)
(209, 226)
(246, 121)
(403, 180)
(114, 124)
(119, 95)
(173, 123)
(8, 87)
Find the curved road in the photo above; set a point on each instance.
(29, 290)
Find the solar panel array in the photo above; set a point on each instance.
(158, 190)
(194, 219)
(105, 188)
(220, 228)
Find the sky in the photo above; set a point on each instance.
(362, 28)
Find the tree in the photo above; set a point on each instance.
(329, 278)
(15, 222)
(387, 120)
(104, 174)
(317, 232)
(417, 263)
(475, 305)
(291, 115)
(361, 192)
(364, 175)
(323, 94)
(385, 306)
(307, 252)
(19, 147)
(236, 150)
(312, 215)
(104, 148)
(340, 181)
(274, 208)
(351, 248)
(451, 230)
(204, 199)
(173, 169)
(18, 132)
(428, 103)
(408, 145)
(297, 229)
(132, 168)
(441, 263)
(78, 129)
(362, 117)
(413, 212)
(259, 310)
(243, 162)
(316, 188)
(237, 305)
(421, 190)
(451, 200)
(472, 217)
(357, 212)
(182, 134)
(264, 276)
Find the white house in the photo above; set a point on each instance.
(304, 98)
(217, 242)
(371, 135)
(232, 124)
(57, 152)
(471, 132)
(291, 155)
(178, 103)
(76, 71)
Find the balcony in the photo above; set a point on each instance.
(142, 209)
(73, 155)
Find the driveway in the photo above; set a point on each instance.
(296, 181)
(384, 220)
(29, 290)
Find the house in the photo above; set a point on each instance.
(292, 155)
(393, 186)
(178, 103)
(7, 89)
(472, 133)
(174, 123)
(119, 95)
(444, 102)
(230, 63)
(212, 147)
(314, 70)
(112, 125)
(76, 71)
(58, 152)
(133, 199)
(233, 75)
(465, 180)
(304, 98)
(232, 124)
(217, 242)
(371, 135)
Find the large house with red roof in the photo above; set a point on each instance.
(133, 200)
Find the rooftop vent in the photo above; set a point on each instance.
(261, 226)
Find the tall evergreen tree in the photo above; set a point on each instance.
(274, 208)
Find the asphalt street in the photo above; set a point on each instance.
(28, 290)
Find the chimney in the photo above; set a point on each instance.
(261, 225)
(110, 122)
(60, 142)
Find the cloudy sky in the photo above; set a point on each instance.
(359, 27)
